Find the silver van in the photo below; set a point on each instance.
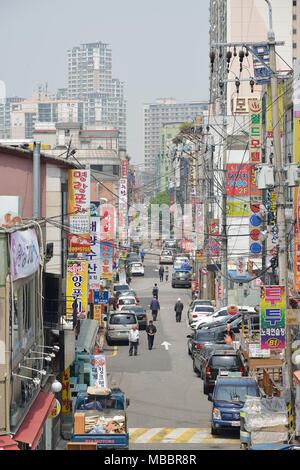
(118, 325)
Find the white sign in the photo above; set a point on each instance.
(122, 191)
(99, 375)
(94, 254)
(24, 253)
(79, 224)
(255, 351)
(240, 266)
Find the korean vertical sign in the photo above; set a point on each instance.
(296, 100)
(77, 287)
(272, 317)
(79, 211)
(94, 254)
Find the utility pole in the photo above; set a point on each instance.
(224, 244)
(36, 186)
(279, 190)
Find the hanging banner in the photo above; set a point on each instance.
(296, 260)
(124, 168)
(106, 259)
(77, 287)
(94, 254)
(237, 179)
(79, 243)
(255, 136)
(79, 192)
(107, 218)
(123, 191)
(237, 209)
(200, 225)
(240, 266)
(214, 233)
(272, 317)
(269, 109)
(99, 375)
(65, 392)
(24, 253)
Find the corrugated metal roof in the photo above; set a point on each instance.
(87, 337)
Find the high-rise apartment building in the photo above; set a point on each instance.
(161, 112)
(5, 115)
(90, 79)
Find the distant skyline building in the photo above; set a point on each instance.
(164, 111)
(90, 79)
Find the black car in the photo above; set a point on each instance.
(141, 315)
(181, 279)
(201, 357)
(198, 339)
(222, 359)
(233, 324)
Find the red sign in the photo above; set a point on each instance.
(124, 168)
(107, 222)
(237, 179)
(79, 243)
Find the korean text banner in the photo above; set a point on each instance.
(272, 317)
(237, 209)
(107, 216)
(94, 254)
(237, 179)
(79, 192)
(77, 287)
(214, 240)
(24, 253)
(99, 375)
(106, 259)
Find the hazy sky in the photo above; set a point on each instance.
(160, 48)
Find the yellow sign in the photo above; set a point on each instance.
(200, 256)
(65, 393)
(55, 410)
(237, 209)
(97, 313)
(77, 287)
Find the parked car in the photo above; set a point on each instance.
(126, 301)
(181, 279)
(130, 293)
(198, 339)
(199, 311)
(137, 269)
(220, 360)
(140, 313)
(166, 257)
(132, 257)
(228, 399)
(118, 325)
(220, 315)
(170, 244)
(119, 288)
(201, 357)
(182, 264)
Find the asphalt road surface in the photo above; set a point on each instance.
(167, 407)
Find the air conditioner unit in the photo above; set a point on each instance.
(265, 177)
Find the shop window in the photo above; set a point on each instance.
(24, 309)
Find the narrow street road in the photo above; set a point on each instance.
(167, 407)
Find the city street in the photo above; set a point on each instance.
(167, 407)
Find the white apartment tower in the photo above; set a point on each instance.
(164, 111)
(90, 79)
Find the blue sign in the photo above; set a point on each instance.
(273, 315)
(101, 297)
(255, 248)
(255, 220)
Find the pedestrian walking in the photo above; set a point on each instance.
(155, 291)
(167, 273)
(134, 336)
(142, 255)
(178, 310)
(161, 273)
(151, 330)
(154, 307)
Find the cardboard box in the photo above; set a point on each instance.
(79, 423)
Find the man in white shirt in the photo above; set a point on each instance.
(134, 336)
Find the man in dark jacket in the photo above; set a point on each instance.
(178, 310)
(151, 330)
(161, 273)
(155, 291)
(154, 307)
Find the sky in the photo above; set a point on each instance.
(160, 48)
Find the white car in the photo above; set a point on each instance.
(166, 257)
(128, 300)
(219, 315)
(137, 269)
(199, 312)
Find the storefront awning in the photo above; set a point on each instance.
(87, 336)
(32, 427)
(7, 443)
